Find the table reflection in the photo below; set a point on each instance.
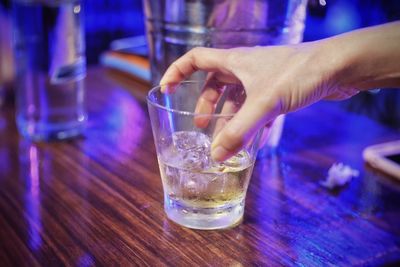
(119, 124)
(32, 167)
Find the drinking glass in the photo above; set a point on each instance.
(174, 27)
(199, 192)
(50, 68)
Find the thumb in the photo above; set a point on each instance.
(236, 134)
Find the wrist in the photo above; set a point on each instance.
(365, 59)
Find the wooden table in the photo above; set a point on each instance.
(97, 200)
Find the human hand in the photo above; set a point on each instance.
(277, 80)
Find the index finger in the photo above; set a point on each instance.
(199, 58)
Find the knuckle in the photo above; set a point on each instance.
(233, 58)
(236, 59)
(175, 68)
(232, 139)
(270, 103)
(193, 55)
(196, 49)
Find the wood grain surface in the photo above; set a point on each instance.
(97, 200)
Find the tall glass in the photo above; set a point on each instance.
(173, 27)
(199, 192)
(50, 68)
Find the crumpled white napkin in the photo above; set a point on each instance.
(338, 175)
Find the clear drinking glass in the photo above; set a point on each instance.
(50, 68)
(199, 192)
(174, 27)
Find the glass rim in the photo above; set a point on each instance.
(182, 112)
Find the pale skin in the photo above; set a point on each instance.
(283, 79)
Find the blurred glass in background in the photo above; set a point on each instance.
(49, 51)
(175, 27)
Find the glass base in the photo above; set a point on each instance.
(204, 218)
(50, 132)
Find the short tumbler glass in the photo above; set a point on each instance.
(199, 193)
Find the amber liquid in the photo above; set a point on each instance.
(200, 191)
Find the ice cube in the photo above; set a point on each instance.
(191, 150)
(188, 140)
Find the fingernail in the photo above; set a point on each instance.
(219, 153)
(163, 88)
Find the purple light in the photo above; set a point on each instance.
(34, 171)
(119, 124)
(32, 201)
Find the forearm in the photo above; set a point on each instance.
(367, 58)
